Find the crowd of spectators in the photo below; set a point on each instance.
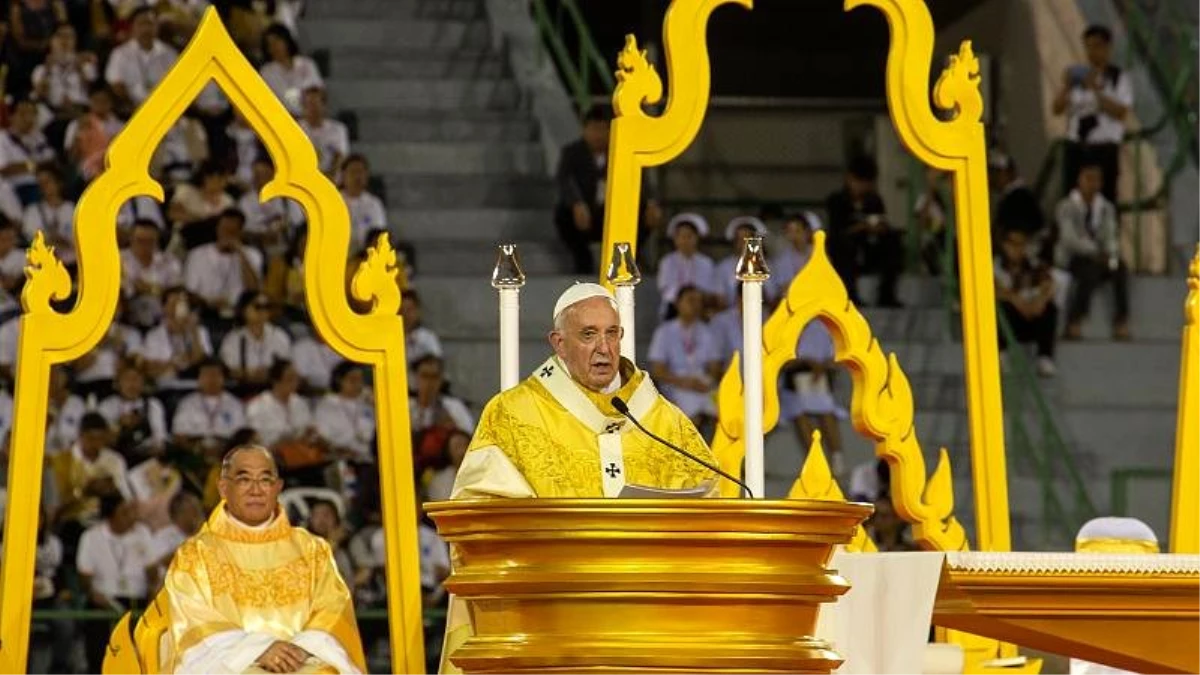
(212, 344)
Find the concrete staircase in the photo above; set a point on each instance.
(447, 129)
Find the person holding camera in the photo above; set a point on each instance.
(861, 239)
(1096, 98)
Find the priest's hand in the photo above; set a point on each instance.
(282, 657)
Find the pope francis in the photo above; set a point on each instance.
(557, 434)
(251, 593)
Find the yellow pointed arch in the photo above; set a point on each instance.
(881, 406)
(49, 337)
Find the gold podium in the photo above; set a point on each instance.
(673, 585)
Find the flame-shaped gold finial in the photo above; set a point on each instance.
(752, 266)
(508, 272)
(622, 268)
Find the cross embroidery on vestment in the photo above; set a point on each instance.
(612, 470)
(613, 427)
(547, 372)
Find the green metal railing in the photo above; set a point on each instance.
(1121, 478)
(1032, 432)
(579, 67)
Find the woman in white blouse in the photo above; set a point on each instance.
(346, 417)
(287, 72)
(250, 349)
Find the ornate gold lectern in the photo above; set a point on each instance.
(676, 585)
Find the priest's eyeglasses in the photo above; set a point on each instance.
(589, 336)
(264, 482)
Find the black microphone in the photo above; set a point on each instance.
(624, 410)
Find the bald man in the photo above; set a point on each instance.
(251, 593)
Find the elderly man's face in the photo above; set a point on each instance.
(250, 487)
(589, 342)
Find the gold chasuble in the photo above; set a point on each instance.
(233, 590)
(550, 437)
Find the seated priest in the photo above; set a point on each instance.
(251, 593)
(558, 434)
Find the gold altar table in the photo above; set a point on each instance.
(674, 585)
(1135, 612)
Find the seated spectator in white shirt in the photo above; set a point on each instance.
(197, 205)
(250, 349)
(686, 265)
(280, 414)
(181, 153)
(140, 420)
(172, 351)
(116, 565)
(270, 225)
(22, 149)
(187, 516)
(140, 208)
(366, 210)
(12, 268)
(792, 255)
(88, 135)
(431, 406)
(346, 417)
(286, 71)
(218, 273)
(65, 412)
(61, 81)
(53, 216)
(145, 272)
(137, 65)
(685, 359)
(419, 341)
(330, 137)
(206, 418)
(90, 470)
(96, 370)
(314, 360)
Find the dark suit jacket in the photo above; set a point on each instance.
(577, 178)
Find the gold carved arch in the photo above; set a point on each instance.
(884, 411)
(49, 337)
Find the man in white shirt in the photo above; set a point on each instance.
(89, 471)
(139, 420)
(217, 273)
(53, 215)
(116, 564)
(187, 515)
(8, 347)
(174, 348)
(206, 418)
(146, 272)
(330, 137)
(280, 414)
(1096, 97)
(22, 149)
(366, 210)
(136, 66)
(314, 360)
(269, 224)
